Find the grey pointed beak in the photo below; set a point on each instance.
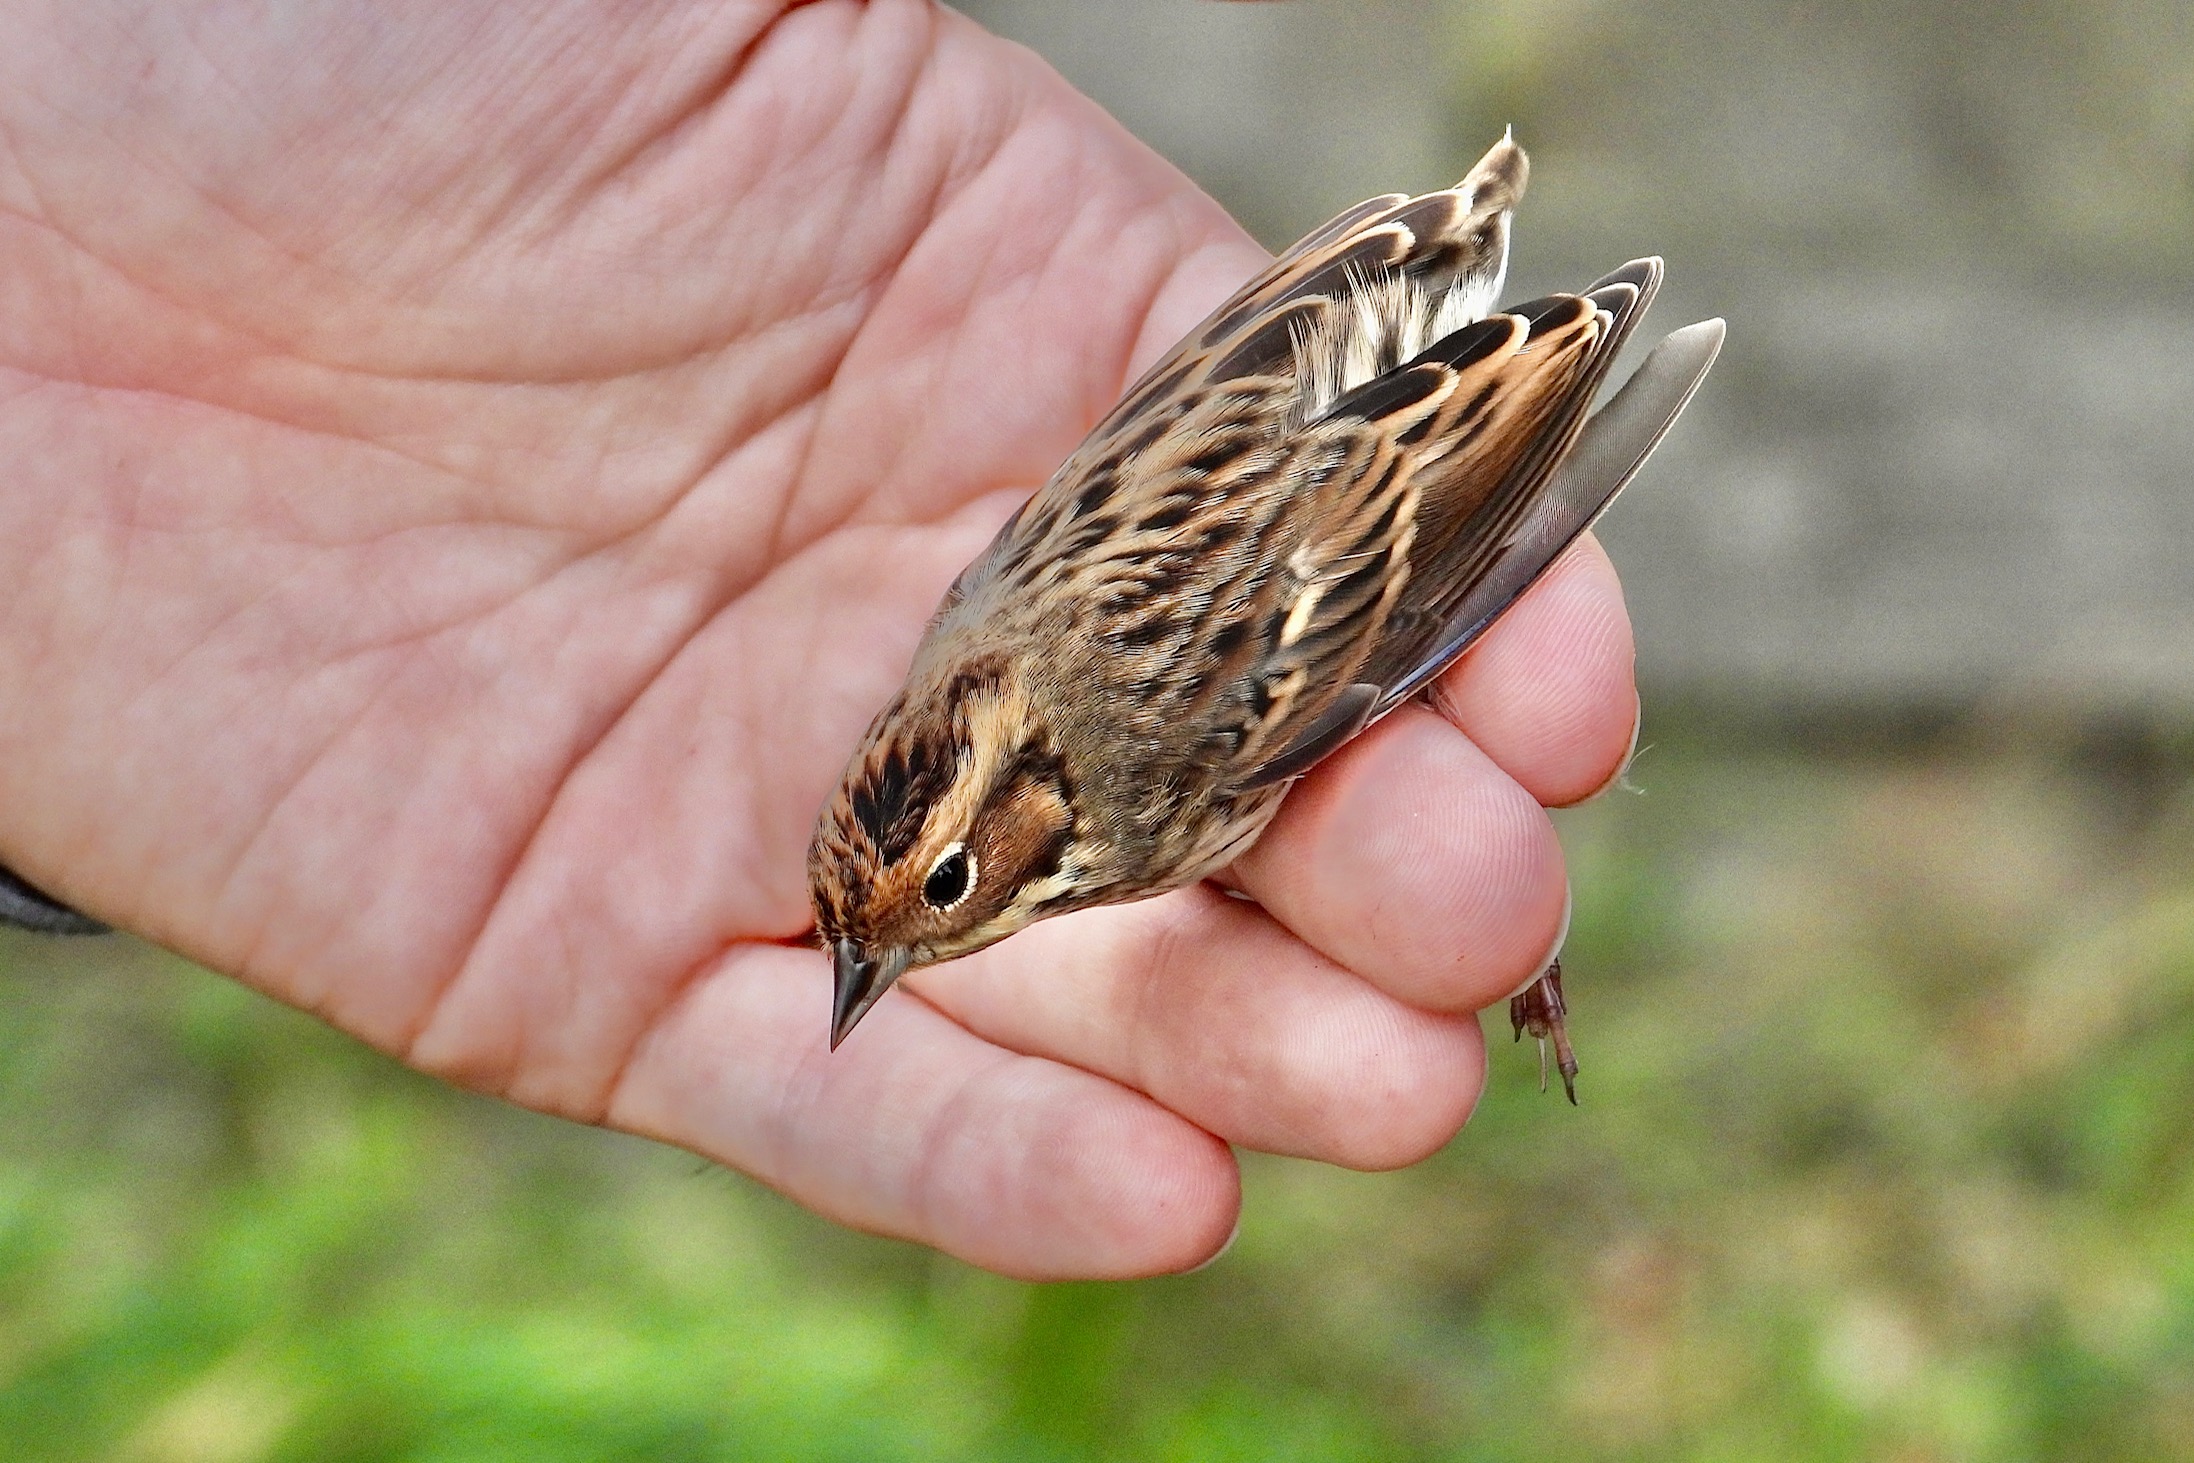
(863, 975)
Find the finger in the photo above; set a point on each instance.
(1551, 692)
(1413, 860)
(1212, 1008)
(916, 1129)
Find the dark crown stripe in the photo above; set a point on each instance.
(893, 801)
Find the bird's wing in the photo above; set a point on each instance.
(1485, 457)
(1320, 497)
(1350, 301)
(1460, 501)
(1572, 490)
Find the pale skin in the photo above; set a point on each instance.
(473, 471)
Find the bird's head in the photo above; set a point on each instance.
(953, 827)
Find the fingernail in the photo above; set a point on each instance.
(1630, 754)
(1221, 1252)
(1561, 937)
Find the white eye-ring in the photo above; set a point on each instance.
(951, 879)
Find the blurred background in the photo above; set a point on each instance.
(1883, 964)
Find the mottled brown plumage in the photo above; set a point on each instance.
(1286, 528)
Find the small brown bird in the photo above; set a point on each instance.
(1288, 527)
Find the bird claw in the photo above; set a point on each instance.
(1542, 1011)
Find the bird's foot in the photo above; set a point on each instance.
(1541, 1011)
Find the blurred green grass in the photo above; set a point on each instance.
(1887, 1152)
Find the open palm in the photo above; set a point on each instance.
(475, 468)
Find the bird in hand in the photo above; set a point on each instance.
(1290, 525)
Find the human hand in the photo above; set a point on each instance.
(478, 468)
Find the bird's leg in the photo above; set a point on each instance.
(1541, 1011)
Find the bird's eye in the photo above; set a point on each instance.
(949, 879)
